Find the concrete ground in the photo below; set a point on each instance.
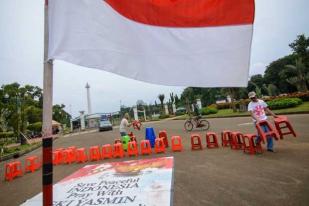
(208, 177)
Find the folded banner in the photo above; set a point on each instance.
(131, 183)
(202, 43)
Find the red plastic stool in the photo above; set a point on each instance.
(57, 157)
(81, 155)
(118, 150)
(159, 146)
(145, 147)
(212, 140)
(236, 140)
(249, 144)
(281, 123)
(12, 170)
(60, 149)
(130, 134)
(133, 139)
(196, 142)
(271, 131)
(107, 151)
(176, 144)
(132, 149)
(117, 141)
(72, 148)
(226, 138)
(94, 153)
(69, 156)
(32, 163)
(163, 135)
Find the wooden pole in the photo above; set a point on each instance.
(47, 172)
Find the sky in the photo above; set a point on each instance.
(277, 23)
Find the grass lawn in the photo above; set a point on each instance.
(303, 108)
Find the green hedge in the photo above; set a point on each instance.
(209, 110)
(5, 135)
(163, 116)
(284, 103)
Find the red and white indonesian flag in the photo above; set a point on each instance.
(202, 43)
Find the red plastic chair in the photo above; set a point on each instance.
(12, 170)
(212, 140)
(107, 151)
(145, 147)
(281, 123)
(94, 153)
(236, 140)
(117, 141)
(163, 135)
(159, 146)
(196, 142)
(176, 144)
(249, 144)
(271, 131)
(32, 164)
(69, 156)
(57, 157)
(132, 149)
(81, 155)
(136, 124)
(226, 138)
(118, 151)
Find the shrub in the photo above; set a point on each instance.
(301, 95)
(35, 127)
(163, 116)
(284, 103)
(209, 110)
(226, 105)
(6, 135)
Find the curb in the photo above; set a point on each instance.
(23, 152)
(20, 153)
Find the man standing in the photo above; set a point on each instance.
(257, 107)
(124, 124)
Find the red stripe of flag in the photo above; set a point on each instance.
(186, 13)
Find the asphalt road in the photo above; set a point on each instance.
(209, 177)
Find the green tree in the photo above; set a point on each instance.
(161, 98)
(297, 75)
(272, 90)
(60, 115)
(300, 48)
(272, 74)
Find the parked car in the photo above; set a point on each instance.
(180, 111)
(105, 125)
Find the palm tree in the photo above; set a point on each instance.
(161, 98)
(296, 75)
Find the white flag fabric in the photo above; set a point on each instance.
(199, 43)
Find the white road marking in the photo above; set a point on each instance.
(244, 124)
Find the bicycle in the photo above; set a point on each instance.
(196, 122)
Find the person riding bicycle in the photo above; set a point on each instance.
(197, 114)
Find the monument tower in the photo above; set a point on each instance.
(88, 98)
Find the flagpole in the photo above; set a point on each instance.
(47, 173)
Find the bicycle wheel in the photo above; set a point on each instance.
(204, 124)
(188, 126)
